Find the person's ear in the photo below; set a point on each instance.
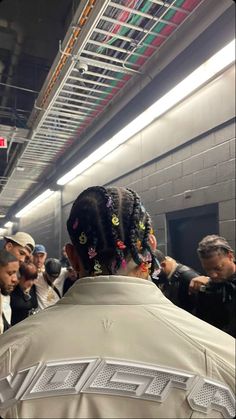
(142, 271)
(73, 257)
(231, 256)
(152, 241)
(8, 246)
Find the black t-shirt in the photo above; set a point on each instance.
(67, 284)
(22, 304)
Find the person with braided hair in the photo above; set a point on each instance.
(111, 236)
(114, 346)
(216, 297)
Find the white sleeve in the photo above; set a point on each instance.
(59, 282)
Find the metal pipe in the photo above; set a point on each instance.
(19, 88)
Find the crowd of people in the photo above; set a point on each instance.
(133, 337)
(211, 298)
(29, 280)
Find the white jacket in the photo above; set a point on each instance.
(115, 347)
(46, 295)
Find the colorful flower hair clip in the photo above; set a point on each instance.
(92, 253)
(97, 268)
(75, 224)
(141, 225)
(139, 245)
(115, 220)
(120, 244)
(83, 238)
(109, 202)
(144, 267)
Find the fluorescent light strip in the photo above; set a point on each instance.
(196, 79)
(35, 202)
(9, 224)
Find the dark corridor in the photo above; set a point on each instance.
(186, 228)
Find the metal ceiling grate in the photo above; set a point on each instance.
(115, 39)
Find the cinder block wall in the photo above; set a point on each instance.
(200, 172)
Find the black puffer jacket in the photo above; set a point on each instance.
(217, 305)
(176, 288)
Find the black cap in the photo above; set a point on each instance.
(53, 267)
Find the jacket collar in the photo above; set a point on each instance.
(112, 290)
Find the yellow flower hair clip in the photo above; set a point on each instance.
(97, 268)
(83, 238)
(115, 220)
(141, 225)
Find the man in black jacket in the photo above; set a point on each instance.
(23, 298)
(9, 266)
(217, 296)
(174, 279)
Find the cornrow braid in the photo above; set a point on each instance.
(133, 228)
(120, 204)
(82, 229)
(113, 231)
(145, 242)
(145, 219)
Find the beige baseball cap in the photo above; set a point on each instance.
(23, 239)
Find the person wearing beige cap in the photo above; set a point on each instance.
(20, 244)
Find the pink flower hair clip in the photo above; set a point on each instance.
(120, 245)
(92, 252)
(75, 224)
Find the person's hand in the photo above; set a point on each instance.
(196, 284)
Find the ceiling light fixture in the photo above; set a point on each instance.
(35, 202)
(209, 69)
(9, 224)
(20, 168)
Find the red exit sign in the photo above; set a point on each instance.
(3, 142)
